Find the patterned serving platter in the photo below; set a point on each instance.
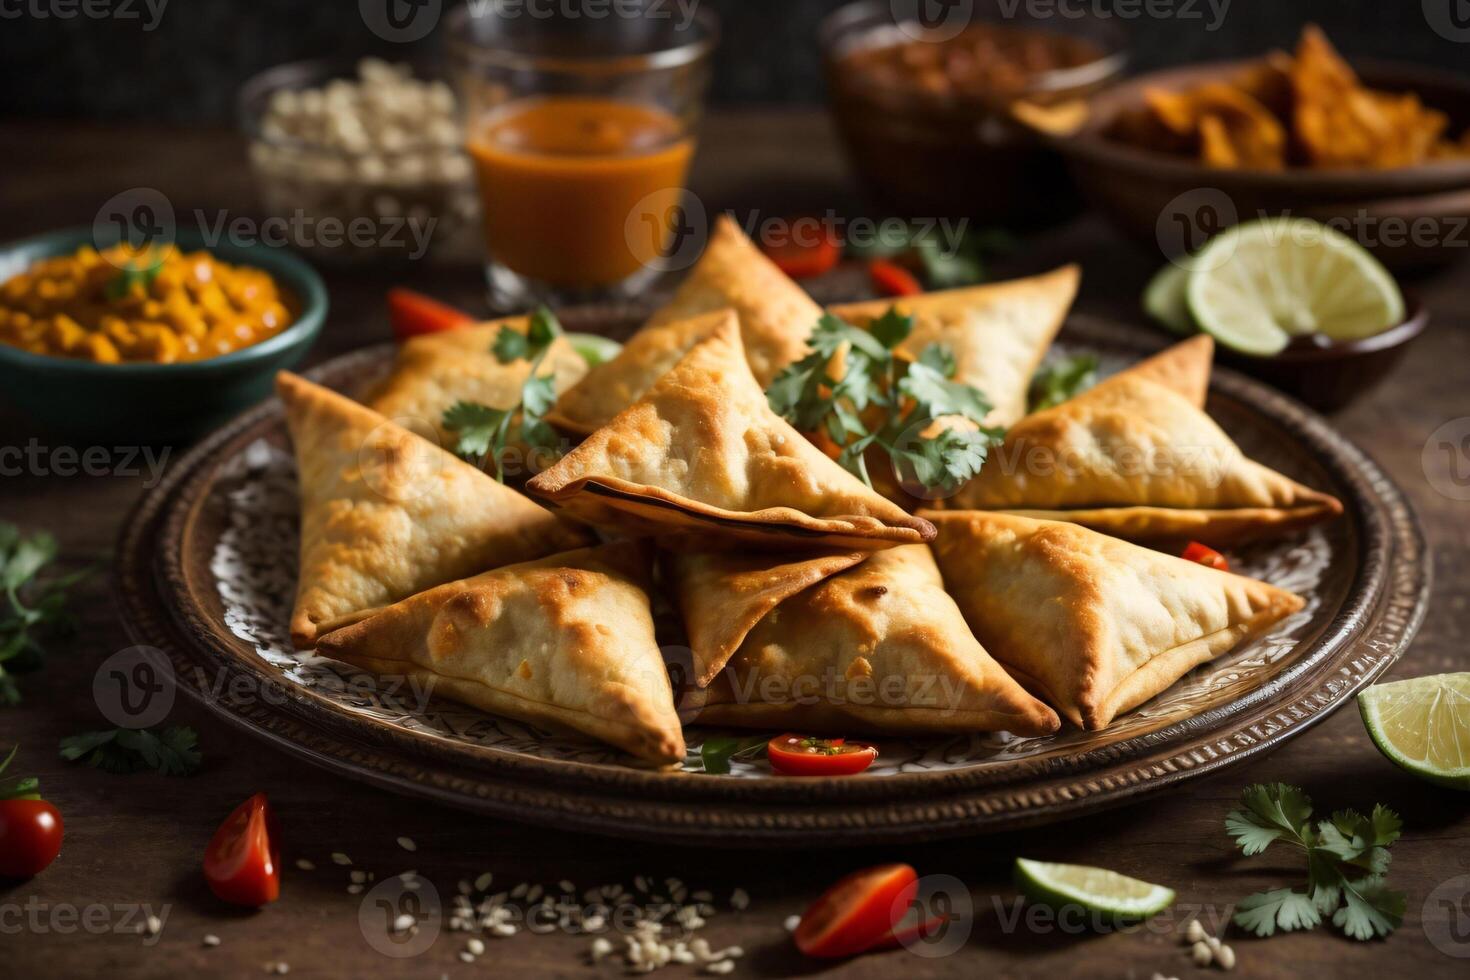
(206, 574)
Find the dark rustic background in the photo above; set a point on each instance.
(188, 66)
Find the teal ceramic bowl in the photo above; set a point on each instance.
(156, 404)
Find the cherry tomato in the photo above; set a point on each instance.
(892, 279)
(1206, 555)
(30, 837)
(911, 932)
(804, 254)
(801, 755)
(414, 314)
(243, 861)
(858, 913)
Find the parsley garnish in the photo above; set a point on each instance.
(909, 397)
(120, 285)
(1347, 861)
(33, 603)
(1062, 381)
(946, 257)
(484, 432)
(718, 750)
(173, 752)
(17, 787)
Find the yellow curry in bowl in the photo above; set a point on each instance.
(157, 305)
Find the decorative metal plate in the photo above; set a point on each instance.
(206, 573)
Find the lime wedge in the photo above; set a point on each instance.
(1258, 285)
(594, 349)
(1165, 302)
(1094, 889)
(1423, 725)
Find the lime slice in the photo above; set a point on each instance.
(1094, 889)
(594, 349)
(1257, 285)
(1423, 725)
(1165, 302)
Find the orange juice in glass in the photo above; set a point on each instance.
(581, 142)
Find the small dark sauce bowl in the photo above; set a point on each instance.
(1331, 377)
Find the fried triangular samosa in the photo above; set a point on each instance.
(998, 333)
(702, 452)
(385, 513)
(1184, 368)
(723, 595)
(1093, 624)
(1139, 460)
(434, 371)
(566, 640)
(877, 648)
(776, 318)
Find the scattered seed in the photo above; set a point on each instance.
(519, 890)
(475, 946)
(407, 844)
(534, 894)
(357, 877)
(482, 883)
(723, 966)
(567, 886)
(1194, 932)
(600, 948)
(339, 858)
(210, 939)
(466, 957)
(354, 889)
(1213, 943)
(792, 921)
(153, 924)
(1226, 957)
(464, 887)
(403, 923)
(739, 900)
(305, 865)
(1202, 955)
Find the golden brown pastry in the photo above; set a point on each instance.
(877, 648)
(1134, 458)
(701, 452)
(434, 371)
(566, 640)
(998, 333)
(385, 513)
(1093, 624)
(776, 318)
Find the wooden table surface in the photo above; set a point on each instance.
(137, 840)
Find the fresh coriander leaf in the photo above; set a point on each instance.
(1369, 909)
(543, 328)
(174, 752)
(120, 285)
(510, 345)
(26, 558)
(1062, 381)
(1270, 813)
(940, 358)
(892, 328)
(32, 603)
(936, 396)
(478, 428)
(718, 751)
(1263, 913)
(17, 787)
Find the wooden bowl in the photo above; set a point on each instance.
(1329, 378)
(1408, 216)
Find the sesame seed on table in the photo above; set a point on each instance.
(136, 841)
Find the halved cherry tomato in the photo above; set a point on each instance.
(414, 314)
(1206, 555)
(801, 755)
(30, 837)
(858, 913)
(911, 932)
(243, 861)
(892, 279)
(803, 255)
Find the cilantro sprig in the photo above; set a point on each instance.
(883, 400)
(130, 275)
(17, 787)
(34, 603)
(1347, 864)
(1062, 380)
(718, 750)
(484, 432)
(173, 751)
